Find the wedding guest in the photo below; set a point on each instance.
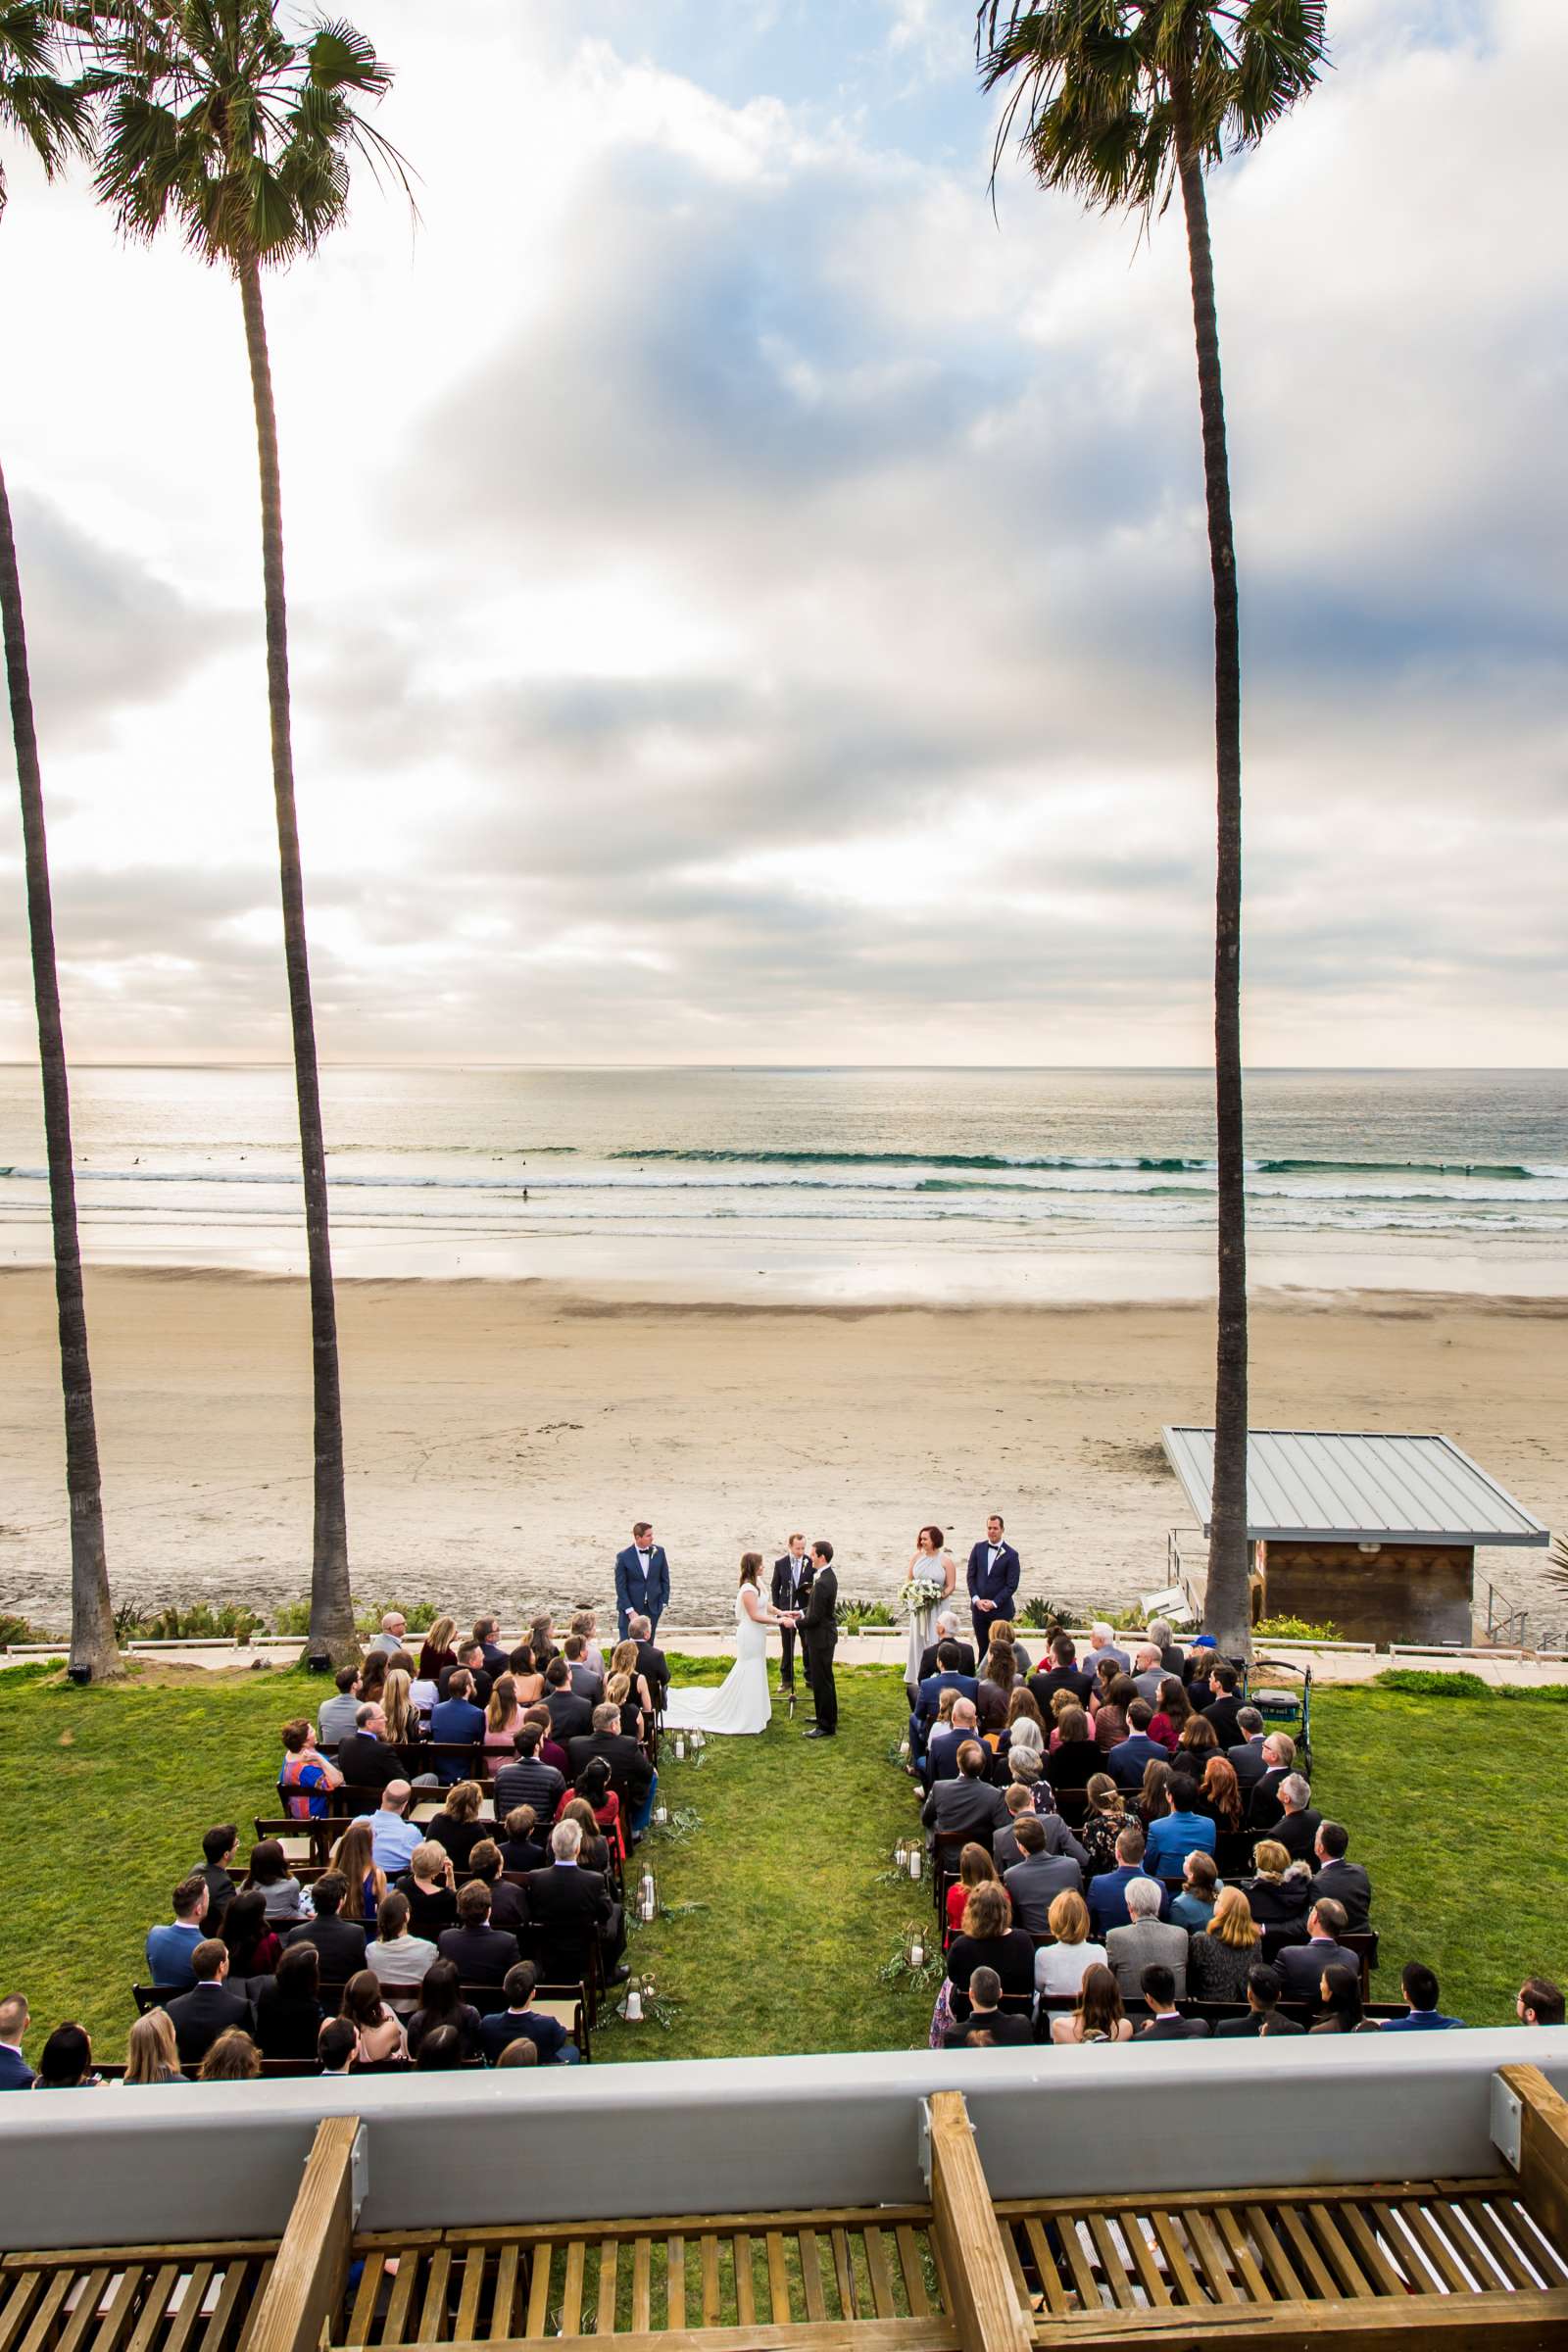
(1220, 1956)
(1107, 1894)
(492, 1657)
(437, 1655)
(1300, 1821)
(441, 2003)
(507, 1910)
(968, 1803)
(379, 2039)
(339, 1942)
(458, 1721)
(334, 2046)
(393, 1836)
(1279, 1762)
(529, 1780)
(1063, 1674)
(232, 2058)
(392, 1635)
(1129, 1760)
(1171, 1715)
(1178, 1833)
(592, 1790)
(1223, 1707)
(523, 1847)
(65, 2062)
(431, 1890)
(364, 1757)
(251, 1947)
(335, 1718)
(1153, 1796)
(1145, 1939)
(1061, 1967)
(988, 1938)
(1196, 1748)
(1112, 1709)
(975, 1866)
(353, 1860)
(1103, 1643)
(482, 1953)
(1262, 2019)
(1037, 1877)
(1076, 1762)
(521, 2021)
(1341, 2012)
(1419, 1985)
(399, 1961)
(168, 1948)
(1105, 1819)
(1026, 1770)
(1193, 1907)
(306, 1771)
(1220, 1796)
(212, 2004)
(988, 2026)
(404, 1724)
(1277, 1894)
(1098, 2015)
(1540, 2002)
(288, 2008)
(152, 2055)
(218, 1849)
(1246, 1753)
(1021, 1708)
(458, 1829)
(1345, 1881)
(527, 1675)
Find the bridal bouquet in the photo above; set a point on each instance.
(920, 1594)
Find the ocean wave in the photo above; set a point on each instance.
(1153, 1165)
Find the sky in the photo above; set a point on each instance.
(750, 601)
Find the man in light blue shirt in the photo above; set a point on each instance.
(392, 1838)
(169, 1950)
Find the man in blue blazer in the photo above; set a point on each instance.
(928, 1697)
(994, 1573)
(641, 1580)
(15, 2072)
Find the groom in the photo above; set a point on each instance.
(641, 1580)
(819, 1634)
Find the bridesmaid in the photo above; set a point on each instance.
(932, 1559)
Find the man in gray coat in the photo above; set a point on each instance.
(1129, 1950)
(970, 1803)
(1035, 1882)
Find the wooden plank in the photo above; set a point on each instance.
(812, 2277)
(115, 2258)
(1368, 2253)
(122, 2302)
(1433, 2245)
(913, 2269)
(91, 2294)
(1421, 2278)
(395, 2326)
(1083, 2269)
(1020, 2284)
(504, 2301)
(1543, 2150)
(1468, 2252)
(255, 2288)
(745, 2289)
(42, 2323)
(1348, 2272)
(1137, 2243)
(1502, 2248)
(434, 2310)
(1545, 2261)
(712, 2306)
(844, 2274)
(311, 2268)
(537, 2322)
(572, 2288)
(1242, 2255)
(1412, 2323)
(1280, 2270)
(675, 2281)
(1045, 2262)
(364, 2301)
(1113, 2262)
(642, 2286)
(149, 2326)
(1309, 2260)
(1480, 2185)
(984, 2301)
(879, 2272)
(605, 2318)
(1184, 2284)
(1210, 2253)
(832, 2336)
(25, 2287)
(469, 2292)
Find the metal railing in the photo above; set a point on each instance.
(1505, 1625)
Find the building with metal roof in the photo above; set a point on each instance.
(1374, 1532)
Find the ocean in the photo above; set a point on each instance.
(831, 1184)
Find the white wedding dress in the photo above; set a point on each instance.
(742, 1702)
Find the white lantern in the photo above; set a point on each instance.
(680, 1748)
(647, 1898)
(915, 1851)
(916, 1952)
(633, 2011)
(698, 1744)
(660, 1815)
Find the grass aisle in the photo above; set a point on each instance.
(794, 1833)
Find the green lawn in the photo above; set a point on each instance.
(1453, 1805)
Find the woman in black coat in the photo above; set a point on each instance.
(288, 2013)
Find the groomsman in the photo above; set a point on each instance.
(790, 1578)
(994, 1573)
(641, 1580)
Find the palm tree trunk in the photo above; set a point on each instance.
(332, 1607)
(92, 1618)
(1227, 1611)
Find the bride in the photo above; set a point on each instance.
(741, 1702)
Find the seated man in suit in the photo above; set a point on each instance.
(171, 1949)
(530, 1780)
(209, 2009)
(520, 2021)
(967, 1804)
(1279, 1762)
(631, 1776)
(566, 1905)
(339, 1942)
(570, 1717)
(1064, 1674)
(1004, 2028)
(949, 1676)
(652, 1663)
(1158, 1987)
(481, 1954)
(940, 1762)
(456, 1721)
(1540, 2002)
(1128, 1760)
(949, 1628)
(1264, 1989)
(1419, 1985)
(1345, 1881)
(1149, 1671)
(586, 1679)
(1298, 1823)
(218, 1852)
(1302, 1965)
(1130, 1950)
(1103, 1643)
(1224, 1707)
(1107, 1894)
(1036, 1878)
(1247, 1756)
(15, 2072)
(334, 1721)
(364, 1758)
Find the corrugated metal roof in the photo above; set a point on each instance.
(1356, 1486)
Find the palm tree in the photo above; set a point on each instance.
(1122, 102)
(216, 118)
(51, 115)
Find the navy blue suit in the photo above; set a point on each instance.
(15, 2072)
(640, 1593)
(451, 1722)
(999, 1584)
(1126, 1761)
(928, 1701)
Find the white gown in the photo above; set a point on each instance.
(742, 1702)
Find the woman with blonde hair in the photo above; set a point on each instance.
(431, 1887)
(398, 1704)
(152, 2054)
(618, 1694)
(353, 1859)
(1098, 2015)
(975, 1868)
(1219, 1955)
(437, 1652)
(1277, 1895)
(1061, 1967)
(503, 1721)
(623, 1660)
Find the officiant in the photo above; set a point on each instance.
(790, 1590)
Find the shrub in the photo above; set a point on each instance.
(230, 1621)
(1424, 1683)
(14, 1631)
(292, 1617)
(1295, 1629)
(367, 1615)
(1039, 1615)
(852, 1615)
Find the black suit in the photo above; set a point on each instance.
(655, 1671)
(1247, 1761)
(928, 1658)
(1222, 1714)
(1173, 2029)
(1347, 1883)
(567, 1906)
(1297, 1833)
(784, 1593)
(822, 1639)
(1006, 2027)
(369, 1763)
(1265, 1808)
(1236, 2029)
(199, 2016)
(481, 1955)
(630, 1773)
(339, 1944)
(479, 1694)
(570, 1717)
(1043, 1687)
(1302, 1967)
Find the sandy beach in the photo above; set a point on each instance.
(502, 1437)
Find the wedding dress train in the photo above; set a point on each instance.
(742, 1702)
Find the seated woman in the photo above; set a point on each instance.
(1340, 1990)
(1154, 1798)
(1111, 1713)
(253, 1945)
(541, 1641)
(1003, 1634)
(596, 1852)
(1278, 1896)
(152, 2055)
(458, 1828)
(432, 1890)
(1061, 1967)
(994, 1691)
(1098, 2015)
(66, 2062)
(441, 2003)
(232, 2058)
(988, 1938)
(1023, 1709)
(307, 1771)
(1194, 1906)
(1172, 1713)
(1063, 1703)
(1178, 1833)
(405, 1723)
(1026, 1770)
(1198, 1745)
(618, 1692)
(380, 2040)
(1076, 1762)
(523, 1846)
(507, 1910)
(503, 1721)
(623, 1660)
(592, 1790)
(353, 1859)
(373, 1679)
(399, 1961)
(438, 1652)
(527, 1677)
(283, 1898)
(1219, 1955)
(1105, 1819)
(288, 2010)
(975, 1868)
(1219, 1795)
